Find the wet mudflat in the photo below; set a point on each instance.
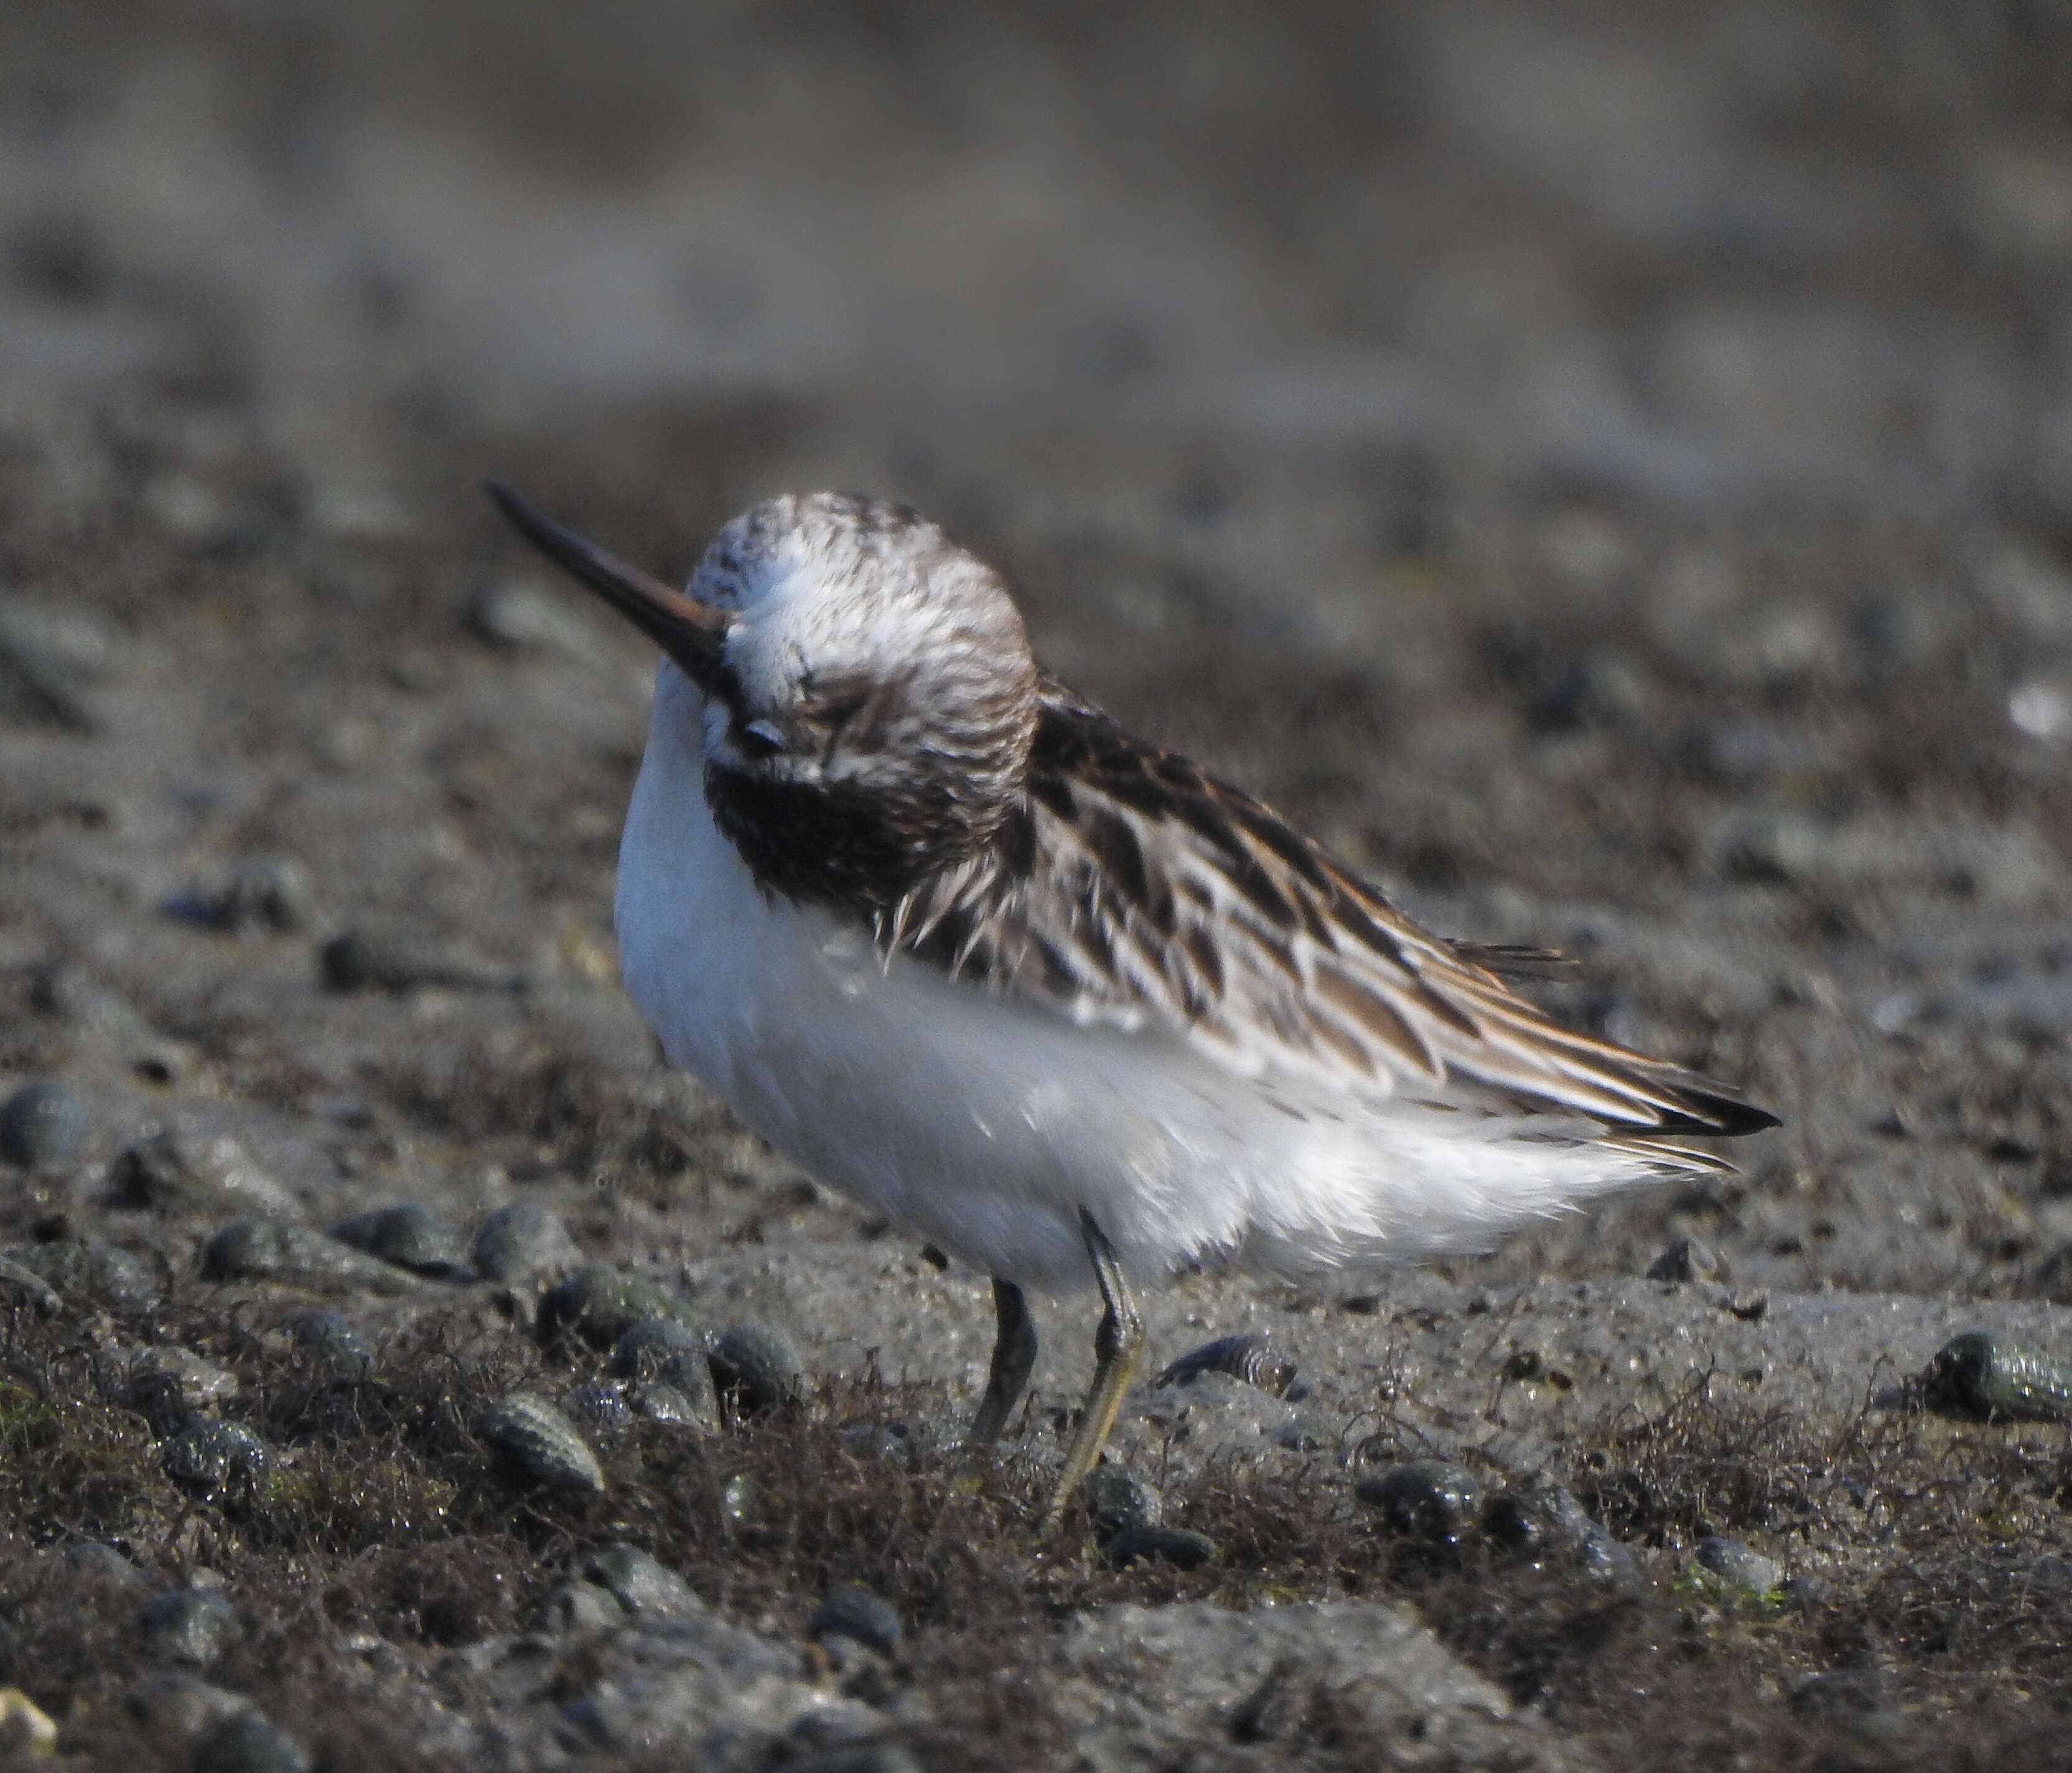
(1614, 482)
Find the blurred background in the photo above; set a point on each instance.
(1609, 473)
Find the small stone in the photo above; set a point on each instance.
(43, 1125)
(1174, 1545)
(600, 1304)
(880, 1443)
(175, 1708)
(216, 1461)
(25, 1730)
(599, 1411)
(862, 1757)
(521, 616)
(88, 1560)
(667, 1405)
(171, 1170)
(536, 1441)
(262, 1250)
(852, 1610)
(394, 960)
(1251, 1359)
(1425, 1499)
(1751, 1305)
(1537, 1516)
(261, 892)
(573, 1609)
(639, 1583)
(249, 1743)
(520, 1241)
(1689, 1259)
(1983, 1374)
(83, 1268)
(1118, 1498)
(326, 1340)
(1737, 1568)
(756, 1369)
(407, 1235)
(642, 1351)
(740, 1501)
(192, 1625)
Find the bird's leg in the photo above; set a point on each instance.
(1013, 1354)
(1117, 1343)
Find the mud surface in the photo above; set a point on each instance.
(1610, 478)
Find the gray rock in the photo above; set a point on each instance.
(573, 1609)
(1175, 1546)
(408, 1235)
(599, 1411)
(522, 615)
(518, 1241)
(537, 1442)
(173, 1171)
(1690, 1259)
(269, 892)
(216, 1461)
(201, 1383)
(1118, 1498)
(1983, 1374)
(326, 1341)
(641, 1352)
(852, 1610)
(639, 1583)
(756, 1369)
(400, 960)
(1738, 1570)
(42, 1125)
(600, 1303)
(195, 1626)
(20, 1287)
(177, 1711)
(1425, 1498)
(248, 1742)
(86, 1269)
(89, 1560)
(660, 1402)
(259, 1249)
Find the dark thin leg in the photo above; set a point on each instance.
(1117, 1345)
(1013, 1354)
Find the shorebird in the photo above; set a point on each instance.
(1044, 995)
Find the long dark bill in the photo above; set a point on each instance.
(690, 632)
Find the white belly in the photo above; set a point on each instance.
(985, 1126)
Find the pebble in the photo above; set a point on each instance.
(852, 1610)
(1739, 1569)
(325, 1340)
(878, 1443)
(670, 1405)
(1690, 1259)
(263, 1249)
(42, 1125)
(641, 1352)
(520, 1241)
(1174, 1545)
(1984, 1374)
(262, 892)
(1251, 1359)
(406, 1235)
(81, 1268)
(756, 1369)
(192, 1625)
(357, 960)
(26, 1729)
(599, 1411)
(538, 1442)
(216, 1461)
(1118, 1498)
(521, 616)
(639, 1583)
(862, 1757)
(172, 1171)
(574, 1609)
(91, 1560)
(249, 1742)
(174, 1708)
(1537, 1516)
(600, 1304)
(1425, 1499)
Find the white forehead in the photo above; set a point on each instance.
(827, 586)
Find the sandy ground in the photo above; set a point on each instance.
(1611, 478)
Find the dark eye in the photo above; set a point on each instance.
(759, 739)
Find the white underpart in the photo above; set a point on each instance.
(985, 1126)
